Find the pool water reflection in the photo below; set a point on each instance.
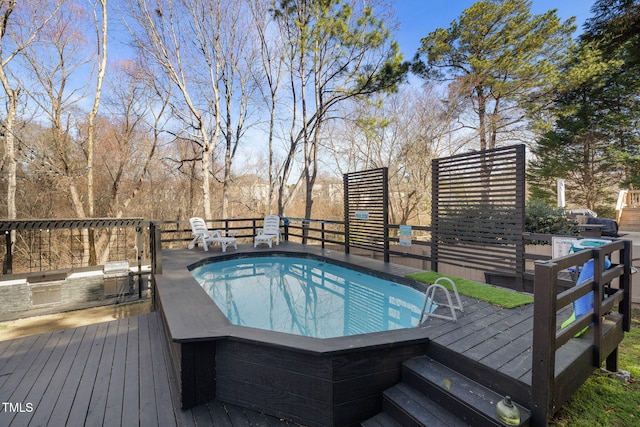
(307, 297)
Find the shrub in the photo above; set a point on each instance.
(542, 218)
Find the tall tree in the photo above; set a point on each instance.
(180, 40)
(614, 30)
(501, 57)
(594, 143)
(337, 50)
(204, 48)
(20, 25)
(101, 21)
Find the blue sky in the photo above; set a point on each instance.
(419, 17)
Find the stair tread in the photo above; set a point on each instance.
(461, 390)
(382, 419)
(420, 407)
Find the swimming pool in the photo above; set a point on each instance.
(308, 297)
(335, 381)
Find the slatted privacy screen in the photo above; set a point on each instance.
(478, 209)
(366, 211)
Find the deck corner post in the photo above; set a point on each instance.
(544, 342)
(624, 307)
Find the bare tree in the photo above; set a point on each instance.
(53, 64)
(269, 81)
(19, 27)
(239, 54)
(403, 131)
(204, 49)
(100, 19)
(337, 50)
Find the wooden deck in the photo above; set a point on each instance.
(112, 374)
(120, 373)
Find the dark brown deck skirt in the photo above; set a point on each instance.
(317, 382)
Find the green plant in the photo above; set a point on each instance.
(542, 218)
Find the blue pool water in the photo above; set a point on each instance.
(307, 297)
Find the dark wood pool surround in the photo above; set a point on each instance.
(488, 344)
(318, 382)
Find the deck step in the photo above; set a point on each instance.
(381, 420)
(473, 403)
(410, 408)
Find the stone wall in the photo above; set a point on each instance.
(18, 295)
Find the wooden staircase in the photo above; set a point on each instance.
(628, 210)
(630, 219)
(431, 394)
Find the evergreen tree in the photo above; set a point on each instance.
(594, 142)
(501, 58)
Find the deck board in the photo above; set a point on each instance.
(115, 394)
(64, 401)
(130, 395)
(42, 412)
(114, 374)
(119, 372)
(148, 414)
(87, 383)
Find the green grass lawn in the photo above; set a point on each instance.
(491, 294)
(603, 400)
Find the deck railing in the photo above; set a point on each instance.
(611, 290)
(45, 245)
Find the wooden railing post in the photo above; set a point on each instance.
(598, 269)
(7, 267)
(544, 342)
(626, 257)
(155, 241)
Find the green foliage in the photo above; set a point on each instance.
(541, 218)
(499, 55)
(346, 50)
(502, 297)
(594, 142)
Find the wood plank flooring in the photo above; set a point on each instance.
(117, 373)
(112, 374)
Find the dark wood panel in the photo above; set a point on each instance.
(310, 384)
(277, 402)
(300, 362)
(362, 363)
(160, 362)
